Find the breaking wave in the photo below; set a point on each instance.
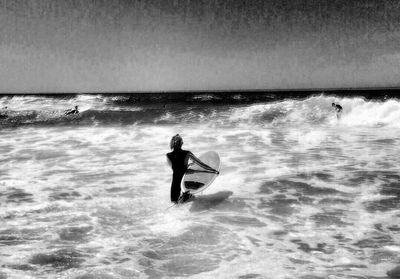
(257, 110)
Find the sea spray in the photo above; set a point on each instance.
(301, 194)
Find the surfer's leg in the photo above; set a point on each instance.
(175, 191)
(186, 196)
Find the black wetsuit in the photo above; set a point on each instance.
(179, 161)
(74, 111)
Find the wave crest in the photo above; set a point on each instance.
(315, 110)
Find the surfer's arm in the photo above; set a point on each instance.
(168, 161)
(200, 163)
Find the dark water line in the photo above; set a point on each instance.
(228, 96)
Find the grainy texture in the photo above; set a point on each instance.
(98, 45)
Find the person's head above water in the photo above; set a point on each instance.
(176, 142)
(333, 104)
(76, 107)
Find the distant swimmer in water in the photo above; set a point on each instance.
(338, 109)
(3, 113)
(178, 159)
(72, 111)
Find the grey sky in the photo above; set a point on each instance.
(110, 45)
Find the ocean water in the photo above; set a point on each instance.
(301, 194)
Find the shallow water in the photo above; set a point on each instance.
(301, 193)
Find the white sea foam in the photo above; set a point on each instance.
(300, 194)
(318, 110)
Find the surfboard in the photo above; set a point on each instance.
(196, 178)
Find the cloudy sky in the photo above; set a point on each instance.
(163, 45)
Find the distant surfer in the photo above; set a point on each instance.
(3, 115)
(72, 111)
(338, 109)
(179, 161)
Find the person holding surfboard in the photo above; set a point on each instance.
(178, 159)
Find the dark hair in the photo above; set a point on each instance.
(333, 104)
(176, 142)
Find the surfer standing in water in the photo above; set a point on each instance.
(338, 109)
(178, 159)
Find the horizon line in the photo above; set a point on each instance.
(339, 89)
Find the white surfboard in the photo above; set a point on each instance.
(196, 178)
